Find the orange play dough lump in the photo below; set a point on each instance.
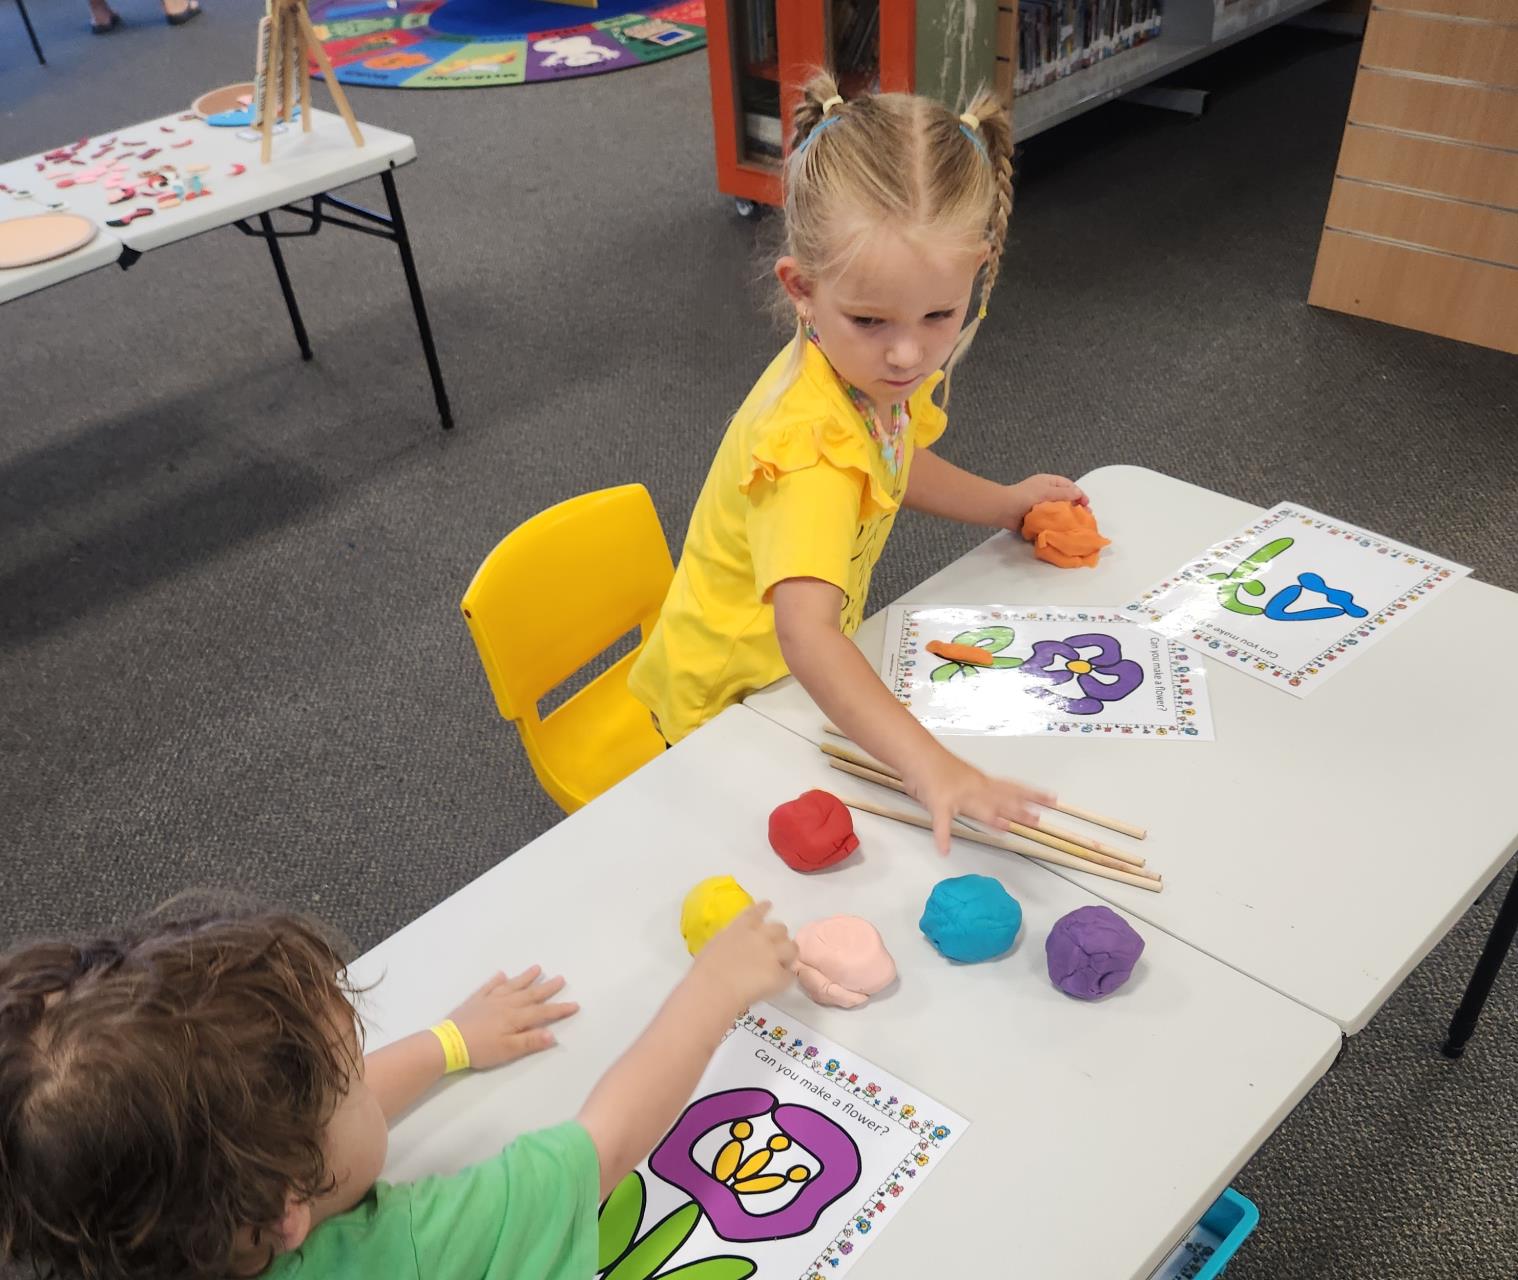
(1064, 534)
(968, 654)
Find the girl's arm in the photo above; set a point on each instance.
(939, 488)
(503, 1021)
(853, 697)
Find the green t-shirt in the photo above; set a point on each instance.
(526, 1214)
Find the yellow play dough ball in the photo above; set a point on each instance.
(709, 908)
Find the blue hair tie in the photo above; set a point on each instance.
(812, 137)
(973, 137)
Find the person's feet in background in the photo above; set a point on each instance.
(176, 13)
(102, 18)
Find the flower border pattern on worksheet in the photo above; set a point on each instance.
(1182, 689)
(1222, 554)
(929, 1134)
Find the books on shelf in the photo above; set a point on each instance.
(1233, 16)
(1057, 38)
(760, 45)
(856, 36)
(761, 135)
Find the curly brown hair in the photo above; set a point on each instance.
(165, 1087)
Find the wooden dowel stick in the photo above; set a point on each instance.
(1077, 847)
(1055, 837)
(1112, 824)
(270, 81)
(1008, 844)
(1085, 815)
(305, 84)
(1092, 843)
(325, 63)
(287, 72)
(1039, 836)
(1027, 833)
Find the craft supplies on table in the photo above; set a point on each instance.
(1208, 1247)
(794, 1154)
(1075, 850)
(1294, 596)
(1051, 671)
(41, 237)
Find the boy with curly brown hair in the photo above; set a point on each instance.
(189, 1100)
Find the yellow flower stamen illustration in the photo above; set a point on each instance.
(732, 1152)
(747, 1176)
(769, 1181)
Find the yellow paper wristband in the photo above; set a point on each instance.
(455, 1051)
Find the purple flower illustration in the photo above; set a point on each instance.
(1105, 676)
(734, 1191)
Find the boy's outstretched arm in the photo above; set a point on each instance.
(504, 1020)
(636, 1101)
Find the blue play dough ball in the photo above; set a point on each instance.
(970, 918)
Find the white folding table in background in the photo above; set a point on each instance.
(16, 282)
(305, 166)
(1099, 1133)
(1322, 845)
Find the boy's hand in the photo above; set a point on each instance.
(752, 959)
(947, 786)
(1027, 494)
(506, 1019)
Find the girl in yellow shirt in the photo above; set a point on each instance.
(893, 206)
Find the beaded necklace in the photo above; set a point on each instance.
(890, 440)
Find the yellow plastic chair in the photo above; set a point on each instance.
(555, 592)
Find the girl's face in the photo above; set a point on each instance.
(889, 319)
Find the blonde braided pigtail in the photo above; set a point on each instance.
(990, 124)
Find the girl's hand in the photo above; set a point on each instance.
(947, 786)
(506, 1019)
(1027, 494)
(751, 959)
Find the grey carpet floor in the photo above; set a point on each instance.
(229, 646)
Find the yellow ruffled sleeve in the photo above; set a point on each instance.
(809, 486)
(796, 444)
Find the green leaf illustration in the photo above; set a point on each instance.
(660, 1245)
(727, 1267)
(992, 640)
(621, 1216)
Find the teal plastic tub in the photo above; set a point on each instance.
(1207, 1248)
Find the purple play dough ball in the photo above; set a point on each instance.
(1092, 952)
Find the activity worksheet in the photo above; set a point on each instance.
(1043, 671)
(792, 1158)
(1294, 596)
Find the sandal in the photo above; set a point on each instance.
(105, 28)
(192, 10)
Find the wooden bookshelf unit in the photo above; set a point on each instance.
(1422, 226)
(761, 51)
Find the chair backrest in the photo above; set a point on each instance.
(563, 587)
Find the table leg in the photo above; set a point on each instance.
(1498, 941)
(418, 305)
(284, 285)
(27, 21)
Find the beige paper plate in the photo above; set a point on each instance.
(42, 236)
(223, 99)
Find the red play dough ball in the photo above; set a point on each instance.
(812, 831)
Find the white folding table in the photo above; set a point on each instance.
(1321, 845)
(305, 166)
(1099, 1133)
